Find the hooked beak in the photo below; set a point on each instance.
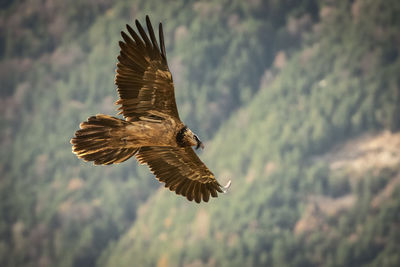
(199, 144)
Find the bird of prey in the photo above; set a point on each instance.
(152, 130)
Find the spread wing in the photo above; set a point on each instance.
(144, 81)
(181, 171)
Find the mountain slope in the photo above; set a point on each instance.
(57, 69)
(342, 83)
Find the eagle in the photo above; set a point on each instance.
(151, 129)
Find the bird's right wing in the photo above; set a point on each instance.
(181, 171)
(143, 78)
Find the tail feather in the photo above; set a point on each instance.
(100, 140)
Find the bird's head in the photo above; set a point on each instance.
(186, 137)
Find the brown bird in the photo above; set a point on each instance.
(152, 130)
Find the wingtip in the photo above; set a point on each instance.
(129, 28)
(137, 23)
(160, 28)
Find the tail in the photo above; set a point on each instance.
(101, 140)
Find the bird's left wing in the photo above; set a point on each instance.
(143, 78)
(182, 171)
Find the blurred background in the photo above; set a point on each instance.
(298, 102)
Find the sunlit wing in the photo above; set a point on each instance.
(181, 171)
(144, 81)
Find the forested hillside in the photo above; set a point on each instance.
(299, 105)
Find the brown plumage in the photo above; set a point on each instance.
(152, 129)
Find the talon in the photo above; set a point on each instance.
(226, 187)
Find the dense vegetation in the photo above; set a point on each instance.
(272, 85)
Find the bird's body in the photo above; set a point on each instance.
(152, 129)
(149, 132)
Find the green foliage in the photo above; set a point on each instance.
(273, 85)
